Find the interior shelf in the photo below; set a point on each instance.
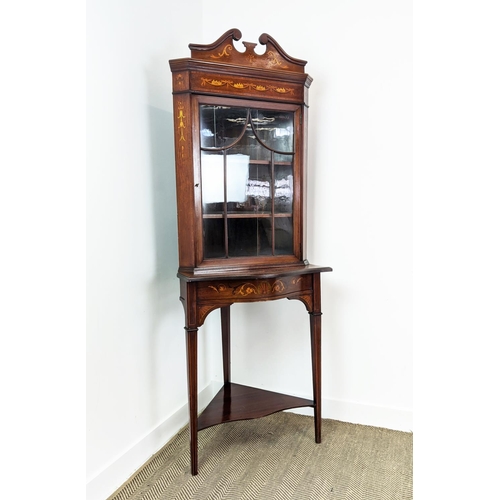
(240, 402)
(247, 215)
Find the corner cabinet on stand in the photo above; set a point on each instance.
(240, 125)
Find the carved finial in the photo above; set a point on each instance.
(249, 46)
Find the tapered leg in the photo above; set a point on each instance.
(192, 375)
(226, 343)
(315, 319)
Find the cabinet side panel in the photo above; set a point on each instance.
(184, 175)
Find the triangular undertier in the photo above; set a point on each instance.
(240, 402)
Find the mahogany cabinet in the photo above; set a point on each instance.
(240, 128)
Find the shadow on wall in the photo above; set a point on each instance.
(164, 196)
(165, 348)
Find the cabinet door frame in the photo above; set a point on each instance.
(203, 263)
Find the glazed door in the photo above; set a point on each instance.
(248, 166)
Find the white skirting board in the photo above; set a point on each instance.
(101, 486)
(356, 413)
(112, 477)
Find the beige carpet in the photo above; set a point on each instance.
(275, 457)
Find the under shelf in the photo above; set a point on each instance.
(240, 402)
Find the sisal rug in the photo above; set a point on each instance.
(276, 458)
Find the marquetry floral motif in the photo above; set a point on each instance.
(180, 80)
(225, 53)
(244, 86)
(256, 288)
(282, 90)
(261, 288)
(278, 286)
(181, 117)
(218, 288)
(215, 83)
(273, 60)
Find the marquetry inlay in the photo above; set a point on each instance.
(246, 86)
(274, 61)
(225, 52)
(180, 120)
(237, 290)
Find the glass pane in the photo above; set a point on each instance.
(213, 238)
(258, 188)
(220, 126)
(249, 145)
(248, 237)
(212, 182)
(283, 236)
(283, 188)
(237, 178)
(274, 129)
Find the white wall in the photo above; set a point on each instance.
(360, 209)
(135, 337)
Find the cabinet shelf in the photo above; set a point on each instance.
(267, 162)
(240, 402)
(247, 215)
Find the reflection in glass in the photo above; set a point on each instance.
(221, 126)
(215, 178)
(258, 188)
(283, 188)
(274, 129)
